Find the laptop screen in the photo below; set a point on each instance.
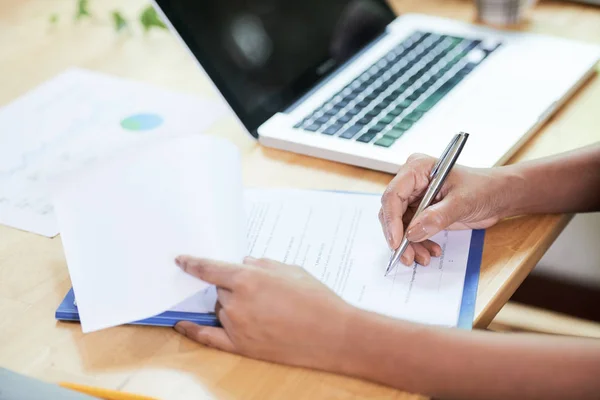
(265, 54)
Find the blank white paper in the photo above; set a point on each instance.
(124, 221)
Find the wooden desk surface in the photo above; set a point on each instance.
(156, 361)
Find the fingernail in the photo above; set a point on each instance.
(390, 236)
(416, 233)
(404, 260)
(180, 261)
(180, 329)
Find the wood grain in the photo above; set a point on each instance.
(158, 362)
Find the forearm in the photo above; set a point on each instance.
(452, 364)
(566, 183)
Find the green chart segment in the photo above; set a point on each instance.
(142, 122)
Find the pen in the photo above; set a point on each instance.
(438, 175)
(105, 394)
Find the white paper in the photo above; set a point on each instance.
(123, 222)
(338, 239)
(76, 119)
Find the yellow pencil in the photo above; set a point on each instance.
(105, 394)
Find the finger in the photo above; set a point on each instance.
(435, 218)
(384, 228)
(223, 296)
(261, 262)
(411, 181)
(408, 257)
(433, 248)
(422, 256)
(207, 335)
(215, 272)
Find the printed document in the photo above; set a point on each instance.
(78, 118)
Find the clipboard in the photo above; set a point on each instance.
(67, 310)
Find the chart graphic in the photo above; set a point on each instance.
(142, 122)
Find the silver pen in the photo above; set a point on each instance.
(438, 176)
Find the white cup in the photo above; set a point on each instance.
(502, 12)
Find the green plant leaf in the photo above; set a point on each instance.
(54, 19)
(82, 9)
(150, 19)
(119, 21)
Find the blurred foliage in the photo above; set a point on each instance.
(148, 17)
(82, 9)
(119, 21)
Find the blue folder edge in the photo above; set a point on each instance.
(67, 310)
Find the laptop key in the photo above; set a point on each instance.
(363, 103)
(365, 120)
(385, 141)
(372, 113)
(353, 111)
(312, 127)
(403, 125)
(322, 120)
(331, 130)
(344, 119)
(394, 112)
(379, 127)
(366, 138)
(413, 96)
(430, 101)
(405, 103)
(387, 119)
(394, 133)
(351, 132)
(371, 96)
(379, 107)
(414, 116)
(389, 98)
(299, 124)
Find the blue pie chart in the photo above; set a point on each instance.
(142, 122)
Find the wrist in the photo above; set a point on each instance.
(367, 348)
(511, 186)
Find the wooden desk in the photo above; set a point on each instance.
(33, 274)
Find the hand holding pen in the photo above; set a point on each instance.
(409, 198)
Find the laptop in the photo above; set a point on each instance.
(350, 81)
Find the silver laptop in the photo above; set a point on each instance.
(349, 81)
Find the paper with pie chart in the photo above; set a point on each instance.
(78, 118)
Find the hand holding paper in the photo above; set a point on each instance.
(124, 222)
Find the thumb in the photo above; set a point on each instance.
(434, 219)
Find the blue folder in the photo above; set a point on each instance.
(67, 311)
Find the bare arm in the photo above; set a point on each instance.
(455, 364)
(566, 183)
(256, 300)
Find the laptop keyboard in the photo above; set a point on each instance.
(389, 97)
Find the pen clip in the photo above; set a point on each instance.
(440, 160)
